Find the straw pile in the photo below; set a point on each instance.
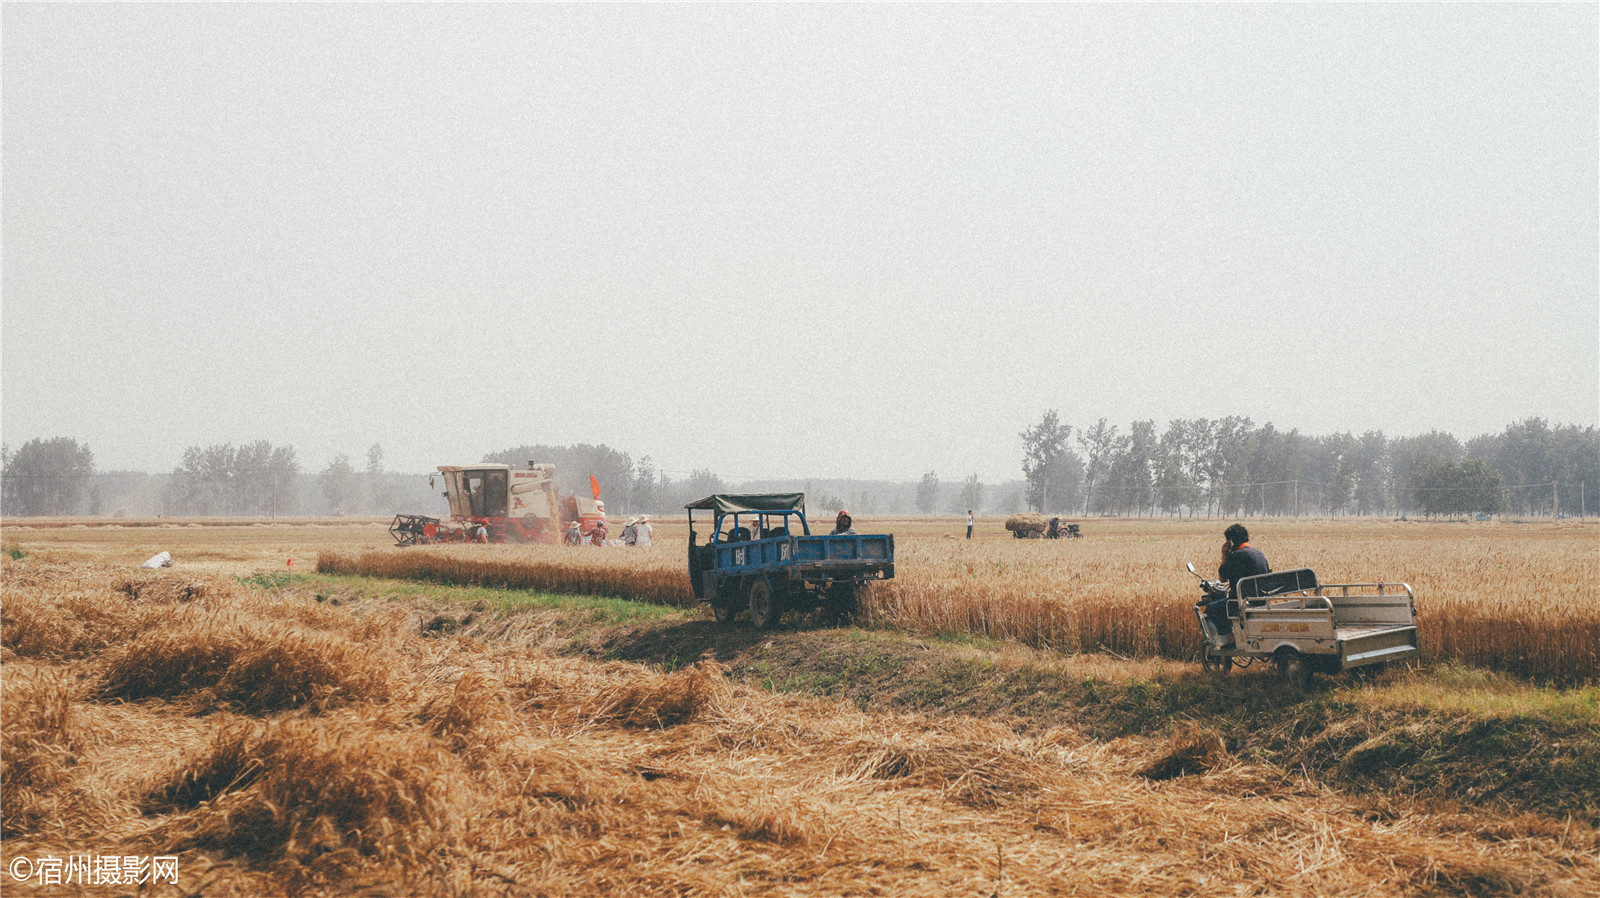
(1028, 522)
(450, 765)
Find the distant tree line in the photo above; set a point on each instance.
(252, 479)
(371, 490)
(1229, 467)
(619, 477)
(46, 477)
(1225, 467)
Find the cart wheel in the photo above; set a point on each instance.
(1216, 665)
(723, 610)
(1292, 668)
(764, 607)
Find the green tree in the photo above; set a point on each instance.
(1527, 458)
(1135, 467)
(1409, 456)
(1227, 461)
(380, 493)
(1342, 490)
(1180, 471)
(1276, 463)
(264, 478)
(1325, 456)
(928, 493)
(1372, 473)
(340, 486)
(202, 481)
(252, 479)
(1043, 445)
(46, 477)
(1099, 445)
(646, 492)
(1578, 449)
(1175, 489)
(1449, 486)
(701, 483)
(1065, 480)
(972, 494)
(575, 464)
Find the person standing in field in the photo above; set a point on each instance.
(843, 525)
(969, 523)
(642, 532)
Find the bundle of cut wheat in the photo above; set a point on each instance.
(1026, 522)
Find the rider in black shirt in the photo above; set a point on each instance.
(1242, 560)
(1239, 560)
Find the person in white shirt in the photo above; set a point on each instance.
(642, 531)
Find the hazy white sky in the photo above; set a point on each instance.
(789, 240)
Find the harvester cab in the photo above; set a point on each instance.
(517, 505)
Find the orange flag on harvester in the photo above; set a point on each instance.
(594, 485)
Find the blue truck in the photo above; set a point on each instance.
(761, 559)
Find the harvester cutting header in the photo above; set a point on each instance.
(502, 504)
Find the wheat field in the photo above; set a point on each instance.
(1520, 598)
(275, 744)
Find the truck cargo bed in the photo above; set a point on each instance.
(1359, 623)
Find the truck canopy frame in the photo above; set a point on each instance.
(730, 503)
(762, 506)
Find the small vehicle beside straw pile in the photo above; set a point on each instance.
(1305, 627)
(762, 560)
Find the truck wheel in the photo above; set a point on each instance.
(1216, 665)
(764, 606)
(723, 610)
(1292, 668)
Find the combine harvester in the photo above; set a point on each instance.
(501, 504)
